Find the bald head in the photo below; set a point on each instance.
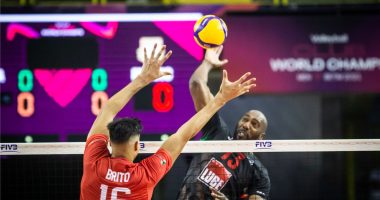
(261, 118)
(251, 126)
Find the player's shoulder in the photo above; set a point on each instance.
(160, 158)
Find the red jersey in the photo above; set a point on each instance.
(118, 178)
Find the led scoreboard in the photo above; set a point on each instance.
(57, 70)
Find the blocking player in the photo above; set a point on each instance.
(224, 175)
(114, 175)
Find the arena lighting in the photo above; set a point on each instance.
(28, 139)
(133, 17)
(3, 78)
(164, 137)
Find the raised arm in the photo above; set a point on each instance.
(150, 72)
(228, 90)
(198, 82)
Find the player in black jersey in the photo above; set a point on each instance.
(224, 176)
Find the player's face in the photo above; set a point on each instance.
(251, 126)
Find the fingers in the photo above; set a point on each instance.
(248, 82)
(217, 197)
(219, 50)
(246, 89)
(145, 56)
(153, 51)
(230, 90)
(217, 194)
(161, 51)
(223, 62)
(242, 78)
(167, 56)
(247, 85)
(152, 65)
(165, 74)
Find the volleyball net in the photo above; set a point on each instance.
(298, 169)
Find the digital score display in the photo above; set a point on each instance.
(58, 70)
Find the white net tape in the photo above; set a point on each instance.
(325, 145)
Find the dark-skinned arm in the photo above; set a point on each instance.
(199, 90)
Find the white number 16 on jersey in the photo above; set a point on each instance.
(104, 189)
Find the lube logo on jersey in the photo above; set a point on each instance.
(214, 175)
(263, 144)
(8, 147)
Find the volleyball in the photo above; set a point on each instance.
(210, 31)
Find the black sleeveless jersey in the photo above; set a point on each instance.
(237, 175)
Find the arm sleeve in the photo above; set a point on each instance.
(260, 183)
(215, 129)
(96, 147)
(157, 165)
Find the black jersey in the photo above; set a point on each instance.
(237, 175)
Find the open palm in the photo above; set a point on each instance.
(230, 90)
(151, 66)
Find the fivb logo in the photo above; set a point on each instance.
(8, 147)
(263, 144)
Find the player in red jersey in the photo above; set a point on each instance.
(115, 176)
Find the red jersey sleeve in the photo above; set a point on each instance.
(96, 147)
(157, 165)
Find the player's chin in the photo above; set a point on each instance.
(241, 137)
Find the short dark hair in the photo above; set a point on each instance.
(124, 128)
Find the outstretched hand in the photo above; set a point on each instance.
(212, 56)
(230, 90)
(151, 66)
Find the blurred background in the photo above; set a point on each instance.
(317, 64)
